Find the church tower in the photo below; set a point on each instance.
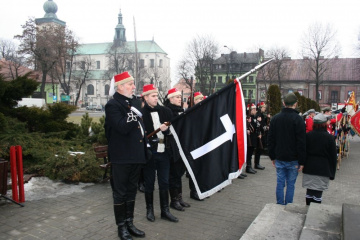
(50, 17)
(120, 30)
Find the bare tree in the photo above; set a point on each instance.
(43, 44)
(63, 69)
(120, 59)
(85, 64)
(279, 54)
(14, 61)
(199, 56)
(319, 46)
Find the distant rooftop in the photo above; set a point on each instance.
(102, 48)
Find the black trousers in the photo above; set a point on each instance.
(250, 151)
(160, 164)
(125, 180)
(177, 170)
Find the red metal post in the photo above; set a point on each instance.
(14, 187)
(19, 165)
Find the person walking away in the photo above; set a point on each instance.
(155, 117)
(177, 166)
(287, 148)
(127, 151)
(321, 160)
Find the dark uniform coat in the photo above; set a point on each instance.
(125, 132)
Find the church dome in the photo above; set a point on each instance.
(50, 8)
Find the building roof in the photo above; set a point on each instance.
(340, 69)
(8, 67)
(102, 48)
(238, 58)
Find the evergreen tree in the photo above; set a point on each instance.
(274, 99)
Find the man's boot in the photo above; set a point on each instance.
(164, 205)
(120, 219)
(129, 220)
(181, 201)
(149, 199)
(174, 200)
(249, 169)
(257, 162)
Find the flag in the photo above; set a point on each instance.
(211, 137)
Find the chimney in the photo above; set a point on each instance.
(244, 54)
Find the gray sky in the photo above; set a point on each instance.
(239, 24)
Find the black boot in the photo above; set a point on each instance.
(130, 218)
(164, 205)
(141, 187)
(174, 200)
(308, 200)
(149, 199)
(249, 169)
(243, 174)
(120, 219)
(195, 196)
(257, 163)
(181, 201)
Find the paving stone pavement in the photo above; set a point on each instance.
(225, 215)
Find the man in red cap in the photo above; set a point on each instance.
(254, 138)
(264, 128)
(155, 117)
(177, 167)
(127, 151)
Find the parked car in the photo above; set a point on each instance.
(99, 108)
(91, 107)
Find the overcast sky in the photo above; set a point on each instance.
(239, 24)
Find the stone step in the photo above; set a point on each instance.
(277, 222)
(322, 222)
(350, 221)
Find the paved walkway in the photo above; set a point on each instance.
(225, 215)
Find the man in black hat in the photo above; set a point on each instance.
(287, 148)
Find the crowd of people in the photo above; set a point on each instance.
(142, 149)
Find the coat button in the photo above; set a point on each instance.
(138, 126)
(140, 140)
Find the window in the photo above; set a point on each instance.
(334, 97)
(152, 63)
(219, 79)
(251, 79)
(160, 86)
(244, 92)
(90, 89)
(130, 64)
(142, 63)
(250, 94)
(68, 65)
(82, 64)
(107, 88)
(160, 63)
(97, 64)
(319, 94)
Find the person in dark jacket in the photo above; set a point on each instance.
(127, 151)
(155, 117)
(177, 167)
(253, 130)
(287, 148)
(264, 132)
(321, 159)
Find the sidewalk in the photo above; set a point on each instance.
(225, 215)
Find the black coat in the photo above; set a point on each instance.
(321, 155)
(126, 142)
(254, 129)
(170, 142)
(164, 115)
(287, 137)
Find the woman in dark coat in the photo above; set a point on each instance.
(321, 158)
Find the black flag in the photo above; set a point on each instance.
(211, 137)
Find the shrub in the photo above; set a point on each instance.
(74, 168)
